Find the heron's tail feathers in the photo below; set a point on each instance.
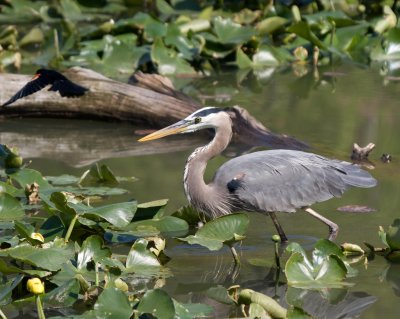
(355, 176)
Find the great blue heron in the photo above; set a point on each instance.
(265, 181)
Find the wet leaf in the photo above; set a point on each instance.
(10, 208)
(303, 30)
(7, 288)
(220, 294)
(112, 303)
(51, 256)
(63, 296)
(219, 231)
(271, 24)
(140, 257)
(168, 61)
(157, 303)
(27, 176)
(191, 310)
(7, 269)
(393, 235)
(156, 225)
(92, 249)
(229, 32)
(97, 174)
(53, 227)
(119, 214)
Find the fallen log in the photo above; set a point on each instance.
(149, 99)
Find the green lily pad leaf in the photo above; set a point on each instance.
(53, 227)
(51, 256)
(242, 60)
(112, 303)
(69, 271)
(324, 248)
(302, 29)
(149, 209)
(95, 190)
(140, 258)
(27, 176)
(25, 231)
(63, 179)
(270, 25)
(10, 189)
(7, 269)
(219, 231)
(10, 208)
(92, 249)
(35, 35)
(63, 296)
(220, 294)
(119, 214)
(189, 214)
(229, 32)
(168, 61)
(393, 235)
(157, 303)
(97, 175)
(256, 311)
(191, 310)
(164, 224)
(329, 273)
(7, 288)
(298, 313)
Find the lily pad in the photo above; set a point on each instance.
(229, 32)
(140, 258)
(327, 268)
(221, 230)
(51, 256)
(157, 303)
(112, 303)
(92, 249)
(10, 208)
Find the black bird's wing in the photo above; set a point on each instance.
(68, 88)
(37, 83)
(46, 77)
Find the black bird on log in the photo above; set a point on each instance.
(43, 78)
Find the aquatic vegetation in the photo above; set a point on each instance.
(185, 37)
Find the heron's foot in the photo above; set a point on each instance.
(333, 232)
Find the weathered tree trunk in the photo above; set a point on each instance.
(151, 99)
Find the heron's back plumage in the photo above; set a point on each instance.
(284, 180)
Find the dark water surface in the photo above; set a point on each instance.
(343, 106)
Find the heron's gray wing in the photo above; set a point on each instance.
(284, 180)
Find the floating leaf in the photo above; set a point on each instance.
(10, 208)
(219, 231)
(113, 301)
(191, 310)
(157, 303)
(393, 235)
(140, 258)
(98, 174)
(63, 296)
(27, 176)
(51, 256)
(156, 225)
(92, 249)
(229, 32)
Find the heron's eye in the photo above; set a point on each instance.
(197, 120)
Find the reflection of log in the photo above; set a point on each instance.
(148, 99)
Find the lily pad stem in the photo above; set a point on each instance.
(70, 228)
(235, 255)
(2, 315)
(96, 267)
(39, 307)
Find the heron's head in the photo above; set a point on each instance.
(207, 117)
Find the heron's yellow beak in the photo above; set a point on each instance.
(176, 128)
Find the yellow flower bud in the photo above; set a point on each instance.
(37, 236)
(35, 286)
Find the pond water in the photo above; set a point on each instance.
(345, 104)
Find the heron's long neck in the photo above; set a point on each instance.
(201, 195)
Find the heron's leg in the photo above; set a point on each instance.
(333, 228)
(278, 227)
